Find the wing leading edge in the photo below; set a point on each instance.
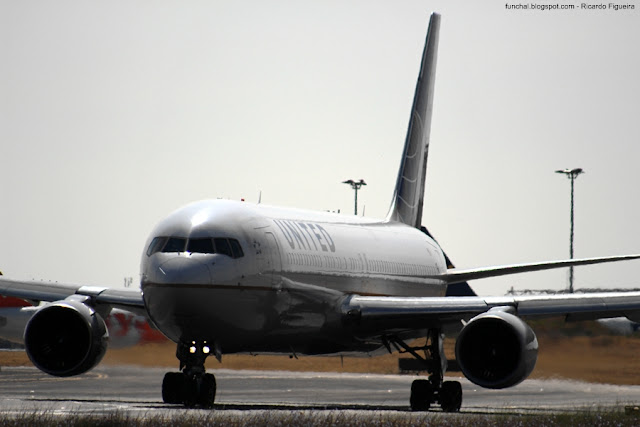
(408, 312)
(462, 275)
(31, 290)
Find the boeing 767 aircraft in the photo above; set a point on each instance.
(221, 277)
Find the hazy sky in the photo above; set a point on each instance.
(115, 113)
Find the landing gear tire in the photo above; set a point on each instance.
(421, 395)
(434, 390)
(192, 386)
(207, 394)
(451, 396)
(172, 387)
(191, 391)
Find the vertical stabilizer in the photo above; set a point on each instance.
(408, 197)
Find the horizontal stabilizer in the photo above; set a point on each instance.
(458, 289)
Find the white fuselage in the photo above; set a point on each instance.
(284, 290)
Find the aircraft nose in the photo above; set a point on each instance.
(182, 270)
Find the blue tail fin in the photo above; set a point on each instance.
(406, 206)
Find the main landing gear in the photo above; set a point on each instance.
(433, 390)
(191, 387)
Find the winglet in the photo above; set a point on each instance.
(408, 197)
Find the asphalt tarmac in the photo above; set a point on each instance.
(136, 391)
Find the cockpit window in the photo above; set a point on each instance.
(236, 248)
(223, 247)
(175, 244)
(156, 245)
(206, 245)
(201, 246)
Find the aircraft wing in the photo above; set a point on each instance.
(35, 291)
(462, 275)
(379, 312)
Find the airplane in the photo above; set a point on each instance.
(126, 329)
(620, 325)
(222, 277)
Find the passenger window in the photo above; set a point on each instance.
(156, 245)
(175, 244)
(200, 246)
(236, 248)
(222, 246)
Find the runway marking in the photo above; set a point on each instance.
(18, 373)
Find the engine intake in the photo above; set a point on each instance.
(66, 338)
(496, 350)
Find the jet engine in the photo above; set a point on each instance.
(496, 350)
(66, 338)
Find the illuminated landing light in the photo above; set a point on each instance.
(193, 348)
(206, 349)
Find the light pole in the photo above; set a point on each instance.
(572, 174)
(356, 186)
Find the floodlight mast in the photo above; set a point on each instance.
(572, 174)
(356, 185)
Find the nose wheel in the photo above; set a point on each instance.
(179, 388)
(192, 387)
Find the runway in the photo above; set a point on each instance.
(136, 391)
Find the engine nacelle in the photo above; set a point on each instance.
(66, 338)
(496, 350)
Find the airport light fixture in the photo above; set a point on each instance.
(356, 185)
(572, 174)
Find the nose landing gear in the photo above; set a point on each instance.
(193, 386)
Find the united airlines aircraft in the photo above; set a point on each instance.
(221, 277)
